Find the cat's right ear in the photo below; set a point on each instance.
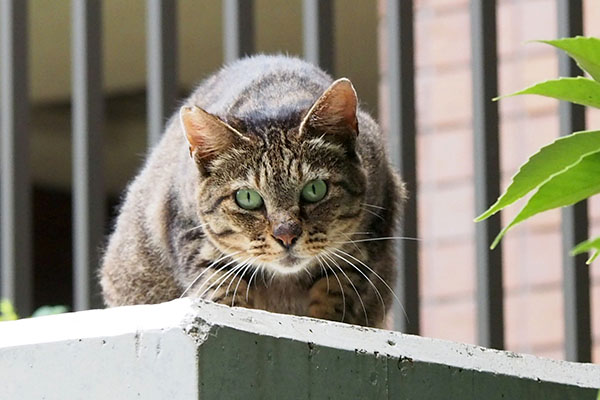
(206, 134)
(333, 115)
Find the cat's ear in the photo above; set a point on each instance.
(206, 134)
(334, 113)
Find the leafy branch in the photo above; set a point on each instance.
(567, 170)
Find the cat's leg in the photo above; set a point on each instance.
(224, 287)
(346, 297)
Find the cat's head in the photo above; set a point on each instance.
(281, 196)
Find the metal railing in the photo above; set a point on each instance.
(319, 48)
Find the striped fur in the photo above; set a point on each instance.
(180, 231)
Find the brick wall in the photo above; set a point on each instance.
(532, 252)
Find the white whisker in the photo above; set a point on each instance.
(373, 213)
(239, 270)
(206, 269)
(207, 281)
(374, 206)
(226, 276)
(324, 271)
(341, 288)
(251, 278)
(383, 238)
(271, 280)
(365, 276)
(263, 278)
(378, 277)
(351, 284)
(196, 227)
(238, 284)
(308, 272)
(354, 243)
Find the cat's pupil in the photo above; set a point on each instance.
(248, 196)
(314, 190)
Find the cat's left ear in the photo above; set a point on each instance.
(206, 134)
(334, 113)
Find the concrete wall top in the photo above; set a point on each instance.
(189, 349)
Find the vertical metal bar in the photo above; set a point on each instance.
(318, 25)
(161, 50)
(490, 311)
(87, 119)
(15, 185)
(576, 278)
(402, 141)
(238, 25)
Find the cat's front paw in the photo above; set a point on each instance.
(236, 295)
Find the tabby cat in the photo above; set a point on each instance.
(269, 190)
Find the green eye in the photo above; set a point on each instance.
(314, 191)
(248, 199)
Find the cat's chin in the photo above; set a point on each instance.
(289, 265)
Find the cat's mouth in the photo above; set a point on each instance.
(289, 263)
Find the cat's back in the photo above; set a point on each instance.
(261, 87)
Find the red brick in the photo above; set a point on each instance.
(520, 21)
(446, 212)
(442, 39)
(450, 321)
(533, 319)
(448, 270)
(531, 260)
(445, 99)
(445, 157)
(519, 73)
(593, 118)
(594, 211)
(595, 306)
(591, 16)
(441, 5)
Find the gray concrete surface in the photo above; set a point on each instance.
(196, 350)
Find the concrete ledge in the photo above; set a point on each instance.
(196, 350)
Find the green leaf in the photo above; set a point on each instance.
(49, 310)
(593, 257)
(588, 245)
(585, 51)
(548, 161)
(7, 311)
(577, 182)
(578, 90)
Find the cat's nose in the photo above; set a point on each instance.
(287, 233)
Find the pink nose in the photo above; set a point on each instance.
(287, 233)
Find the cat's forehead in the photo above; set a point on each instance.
(277, 156)
(279, 159)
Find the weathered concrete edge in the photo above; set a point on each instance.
(94, 323)
(199, 320)
(125, 353)
(393, 344)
